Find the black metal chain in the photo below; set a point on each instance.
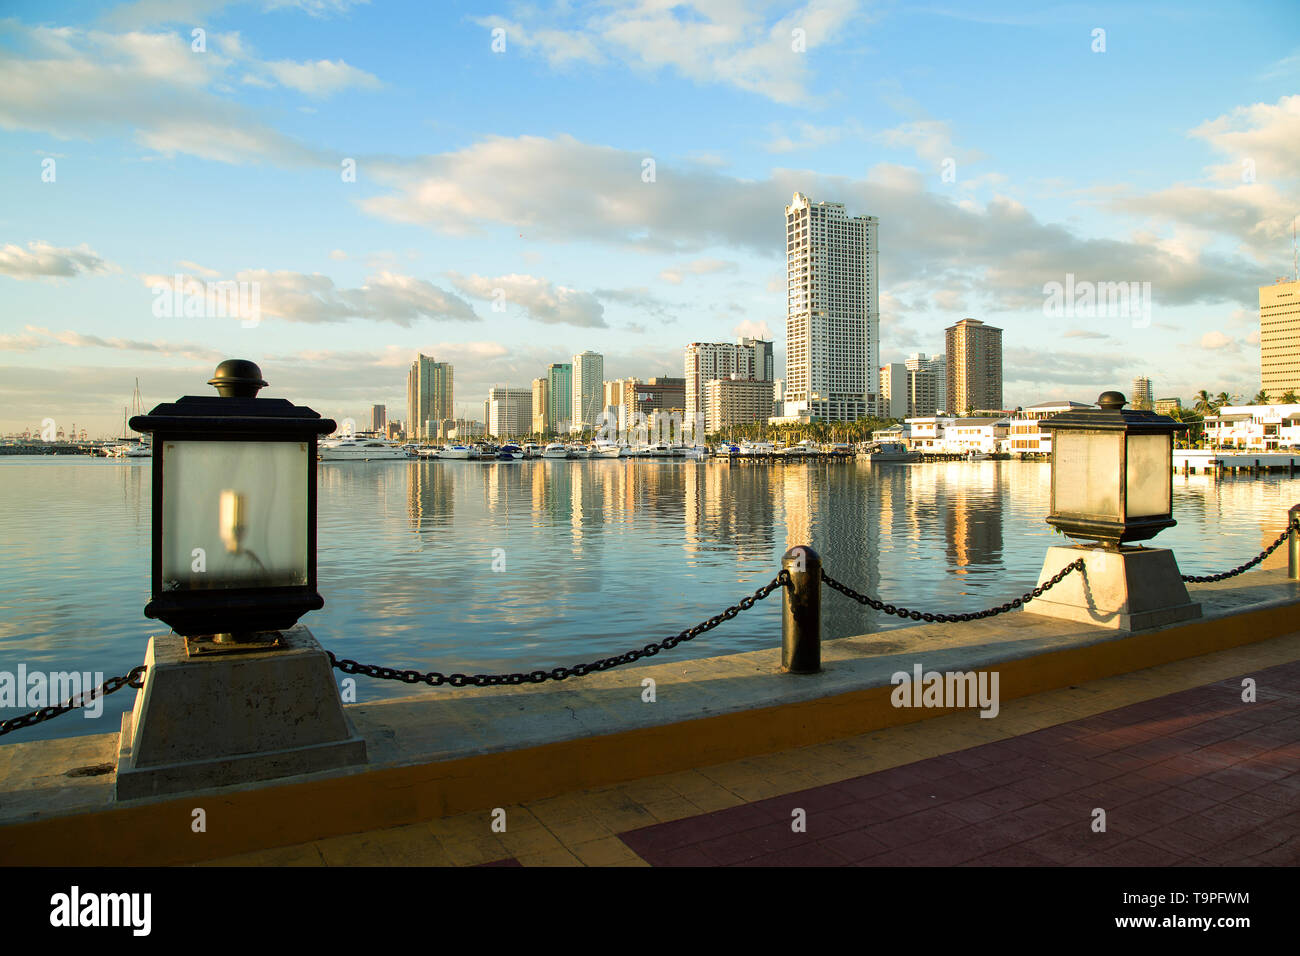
(134, 678)
(1076, 565)
(434, 679)
(1207, 578)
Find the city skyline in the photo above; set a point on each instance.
(551, 204)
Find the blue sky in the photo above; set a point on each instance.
(1169, 157)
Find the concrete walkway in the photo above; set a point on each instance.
(1185, 771)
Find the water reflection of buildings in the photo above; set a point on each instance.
(728, 510)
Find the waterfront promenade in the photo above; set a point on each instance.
(583, 768)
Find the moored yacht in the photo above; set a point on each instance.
(556, 450)
(510, 452)
(352, 448)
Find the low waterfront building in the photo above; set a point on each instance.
(927, 433)
(963, 435)
(1026, 435)
(1254, 427)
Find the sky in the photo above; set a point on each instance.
(504, 185)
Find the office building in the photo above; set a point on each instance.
(974, 354)
(429, 397)
(832, 312)
(893, 401)
(1168, 406)
(378, 418)
(1279, 338)
(735, 401)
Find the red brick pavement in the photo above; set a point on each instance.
(1196, 778)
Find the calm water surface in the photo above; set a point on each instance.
(600, 556)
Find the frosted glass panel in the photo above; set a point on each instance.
(244, 504)
(1085, 476)
(1149, 478)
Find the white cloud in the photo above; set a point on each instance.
(321, 78)
(752, 329)
(1216, 340)
(541, 299)
(385, 297)
(43, 260)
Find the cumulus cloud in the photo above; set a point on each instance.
(321, 78)
(1216, 341)
(698, 267)
(43, 260)
(752, 329)
(541, 299)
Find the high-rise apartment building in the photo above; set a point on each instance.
(588, 390)
(736, 401)
(378, 418)
(429, 397)
(1279, 338)
(542, 406)
(927, 384)
(1142, 397)
(974, 367)
(749, 359)
(893, 402)
(509, 412)
(560, 380)
(832, 327)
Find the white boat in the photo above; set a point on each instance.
(458, 452)
(555, 450)
(604, 448)
(510, 452)
(352, 448)
(887, 451)
(579, 451)
(130, 449)
(430, 451)
(532, 450)
(974, 454)
(757, 448)
(695, 453)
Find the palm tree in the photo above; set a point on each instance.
(1223, 398)
(1261, 398)
(1290, 398)
(1204, 404)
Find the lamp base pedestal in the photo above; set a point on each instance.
(228, 719)
(1132, 589)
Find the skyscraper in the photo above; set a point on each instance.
(927, 385)
(832, 326)
(974, 367)
(542, 406)
(588, 389)
(1279, 338)
(508, 412)
(378, 418)
(428, 396)
(1142, 398)
(560, 379)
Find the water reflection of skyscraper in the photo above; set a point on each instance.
(973, 517)
(430, 495)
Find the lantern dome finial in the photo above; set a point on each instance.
(238, 378)
(1112, 401)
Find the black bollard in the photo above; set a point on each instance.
(801, 617)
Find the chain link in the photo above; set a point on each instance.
(435, 679)
(927, 617)
(134, 678)
(1207, 578)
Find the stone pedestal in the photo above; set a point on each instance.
(221, 719)
(1128, 590)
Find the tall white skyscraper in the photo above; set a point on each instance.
(588, 389)
(832, 326)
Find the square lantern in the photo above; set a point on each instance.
(1112, 472)
(234, 508)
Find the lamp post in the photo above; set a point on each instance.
(239, 690)
(234, 510)
(1112, 486)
